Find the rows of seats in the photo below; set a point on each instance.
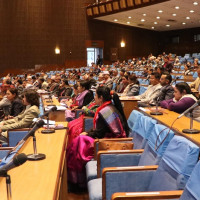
(169, 169)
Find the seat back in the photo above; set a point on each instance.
(15, 136)
(191, 191)
(3, 153)
(141, 131)
(156, 145)
(175, 166)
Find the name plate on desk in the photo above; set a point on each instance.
(128, 98)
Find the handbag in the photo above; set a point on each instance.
(112, 145)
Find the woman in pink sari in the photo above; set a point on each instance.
(85, 97)
(109, 121)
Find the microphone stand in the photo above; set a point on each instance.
(156, 112)
(8, 185)
(35, 155)
(191, 130)
(48, 130)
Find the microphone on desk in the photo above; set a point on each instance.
(190, 110)
(16, 161)
(156, 112)
(54, 108)
(47, 131)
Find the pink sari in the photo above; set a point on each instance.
(79, 152)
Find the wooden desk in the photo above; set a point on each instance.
(58, 115)
(129, 104)
(168, 118)
(40, 180)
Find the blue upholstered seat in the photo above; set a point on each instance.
(15, 136)
(141, 126)
(191, 191)
(173, 172)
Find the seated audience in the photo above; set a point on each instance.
(148, 97)
(167, 91)
(133, 87)
(183, 99)
(25, 118)
(109, 121)
(107, 80)
(196, 83)
(16, 104)
(124, 83)
(64, 89)
(85, 97)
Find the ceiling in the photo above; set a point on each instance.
(183, 19)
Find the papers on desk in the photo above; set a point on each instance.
(62, 108)
(144, 109)
(45, 121)
(41, 91)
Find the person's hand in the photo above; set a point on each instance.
(84, 133)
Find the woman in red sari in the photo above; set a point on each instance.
(109, 121)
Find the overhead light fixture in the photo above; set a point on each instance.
(144, 14)
(129, 17)
(195, 3)
(187, 17)
(57, 50)
(191, 11)
(177, 7)
(158, 17)
(122, 44)
(128, 22)
(115, 20)
(167, 25)
(184, 23)
(160, 11)
(174, 14)
(152, 27)
(155, 22)
(142, 20)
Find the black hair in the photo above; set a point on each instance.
(85, 84)
(33, 77)
(20, 81)
(183, 86)
(133, 78)
(8, 82)
(156, 74)
(41, 79)
(75, 86)
(126, 76)
(66, 82)
(32, 97)
(168, 76)
(104, 91)
(13, 91)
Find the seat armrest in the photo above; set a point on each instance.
(132, 151)
(147, 195)
(77, 112)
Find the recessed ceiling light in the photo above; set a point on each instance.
(144, 14)
(155, 22)
(160, 11)
(158, 17)
(184, 23)
(174, 14)
(191, 11)
(187, 17)
(195, 3)
(167, 25)
(115, 20)
(152, 27)
(142, 20)
(128, 22)
(129, 17)
(177, 7)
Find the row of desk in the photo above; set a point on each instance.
(44, 179)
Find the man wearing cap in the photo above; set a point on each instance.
(107, 80)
